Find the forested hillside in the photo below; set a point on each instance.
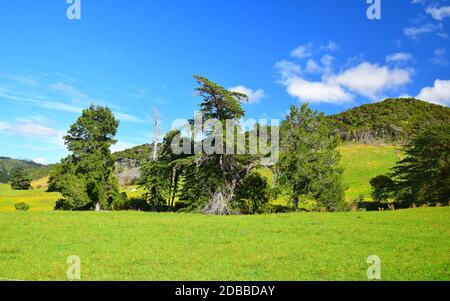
(36, 171)
(390, 121)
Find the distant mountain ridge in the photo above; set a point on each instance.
(389, 121)
(35, 170)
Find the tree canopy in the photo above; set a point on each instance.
(86, 177)
(20, 180)
(423, 176)
(309, 164)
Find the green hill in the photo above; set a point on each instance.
(138, 153)
(390, 121)
(35, 170)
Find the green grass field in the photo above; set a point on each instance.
(412, 244)
(38, 198)
(364, 162)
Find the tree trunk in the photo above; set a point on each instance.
(155, 138)
(97, 206)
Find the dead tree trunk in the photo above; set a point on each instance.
(155, 138)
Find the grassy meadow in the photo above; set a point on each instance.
(37, 198)
(412, 244)
(362, 163)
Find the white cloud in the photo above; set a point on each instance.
(254, 96)
(398, 57)
(69, 91)
(288, 69)
(4, 126)
(330, 46)
(317, 92)
(370, 79)
(438, 94)
(313, 67)
(121, 145)
(323, 67)
(439, 13)
(128, 117)
(307, 50)
(28, 128)
(302, 51)
(366, 79)
(39, 102)
(33, 129)
(414, 32)
(439, 57)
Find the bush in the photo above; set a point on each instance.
(280, 209)
(22, 206)
(121, 202)
(254, 194)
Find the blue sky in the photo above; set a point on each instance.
(133, 55)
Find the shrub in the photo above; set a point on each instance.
(121, 202)
(254, 194)
(22, 206)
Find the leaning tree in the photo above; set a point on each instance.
(219, 172)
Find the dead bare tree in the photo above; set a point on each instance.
(155, 137)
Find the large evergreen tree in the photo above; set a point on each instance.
(423, 176)
(20, 180)
(86, 177)
(309, 164)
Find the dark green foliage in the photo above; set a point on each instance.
(309, 162)
(253, 195)
(218, 102)
(423, 177)
(86, 177)
(393, 120)
(123, 203)
(22, 206)
(161, 178)
(382, 187)
(218, 175)
(20, 180)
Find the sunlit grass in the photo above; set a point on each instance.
(38, 199)
(412, 244)
(364, 162)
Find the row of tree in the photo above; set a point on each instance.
(308, 168)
